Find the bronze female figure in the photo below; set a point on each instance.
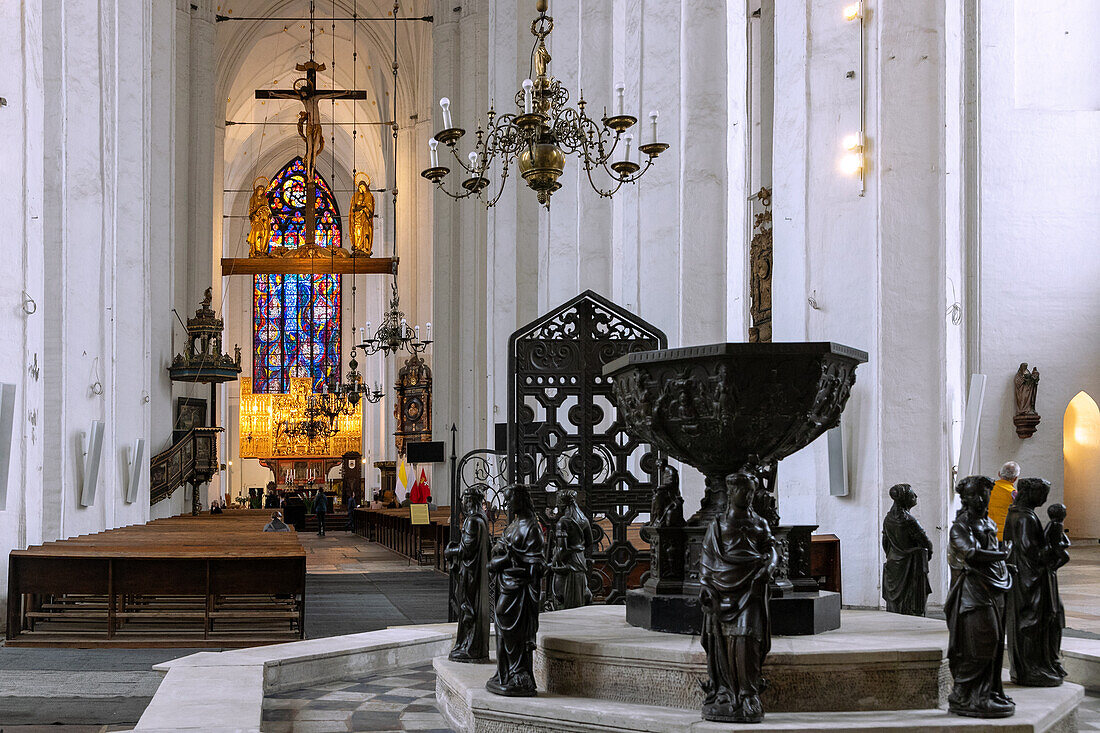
(518, 564)
(1030, 607)
(905, 586)
(469, 557)
(975, 607)
(739, 561)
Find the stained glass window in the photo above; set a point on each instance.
(296, 318)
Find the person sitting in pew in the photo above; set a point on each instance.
(276, 524)
(432, 506)
(215, 507)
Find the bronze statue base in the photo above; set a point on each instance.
(750, 711)
(496, 688)
(466, 659)
(995, 710)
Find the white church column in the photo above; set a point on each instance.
(913, 366)
(460, 308)
(21, 226)
(97, 307)
(866, 271)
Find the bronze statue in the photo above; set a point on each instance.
(469, 557)
(362, 216)
(738, 562)
(905, 586)
(1031, 607)
(667, 509)
(975, 606)
(1057, 545)
(517, 563)
(1025, 386)
(259, 220)
(573, 541)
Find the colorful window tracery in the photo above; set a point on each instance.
(296, 318)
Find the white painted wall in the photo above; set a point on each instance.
(91, 233)
(1039, 264)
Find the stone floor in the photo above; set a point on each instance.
(399, 700)
(351, 586)
(1079, 583)
(404, 700)
(354, 586)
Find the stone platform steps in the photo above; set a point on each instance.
(878, 672)
(468, 707)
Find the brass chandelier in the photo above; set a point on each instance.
(542, 133)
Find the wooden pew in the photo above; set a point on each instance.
(211, 580)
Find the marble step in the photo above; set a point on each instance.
(881, 661)
(469, 708)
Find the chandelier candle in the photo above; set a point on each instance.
(445, 104)
(433, 153)
(528, 98)
(653, 119)
(620, 95)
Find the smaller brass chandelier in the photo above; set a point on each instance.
(394, 334)
(540, 135)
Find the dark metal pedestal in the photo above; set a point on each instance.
(795, 614)
(669, 600)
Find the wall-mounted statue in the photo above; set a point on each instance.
(667, 509)
(905, 586)
(572, 544)
(469, 557)
(975, 607)
(1026, 384)
(1057, 555)
(1033, 608)
(517, 563)
(738, 562)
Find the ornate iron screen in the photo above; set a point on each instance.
(564, 430)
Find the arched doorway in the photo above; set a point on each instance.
(1081, 453)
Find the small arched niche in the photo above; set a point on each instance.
(1081, 454)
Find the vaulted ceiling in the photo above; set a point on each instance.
(261, 53)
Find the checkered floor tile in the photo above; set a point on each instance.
(404, 700)
(397, 700)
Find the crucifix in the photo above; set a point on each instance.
(309, 128)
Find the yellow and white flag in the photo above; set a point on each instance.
(402, 479)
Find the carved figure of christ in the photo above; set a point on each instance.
(309, 128)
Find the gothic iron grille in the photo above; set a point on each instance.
(565, 431)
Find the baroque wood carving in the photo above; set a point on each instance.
(760, 271)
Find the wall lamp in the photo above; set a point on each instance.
(854, 160)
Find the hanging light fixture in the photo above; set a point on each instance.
(394, 334)
(538, 137)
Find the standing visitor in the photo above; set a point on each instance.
(1003, 494)
(320, 508)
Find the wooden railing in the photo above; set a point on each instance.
(193, 460)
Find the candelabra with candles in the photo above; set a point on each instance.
(394, 334)
(542, 133)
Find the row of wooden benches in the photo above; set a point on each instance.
(183, 581)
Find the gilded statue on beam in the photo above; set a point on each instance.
(362, 216)
(259, 218)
